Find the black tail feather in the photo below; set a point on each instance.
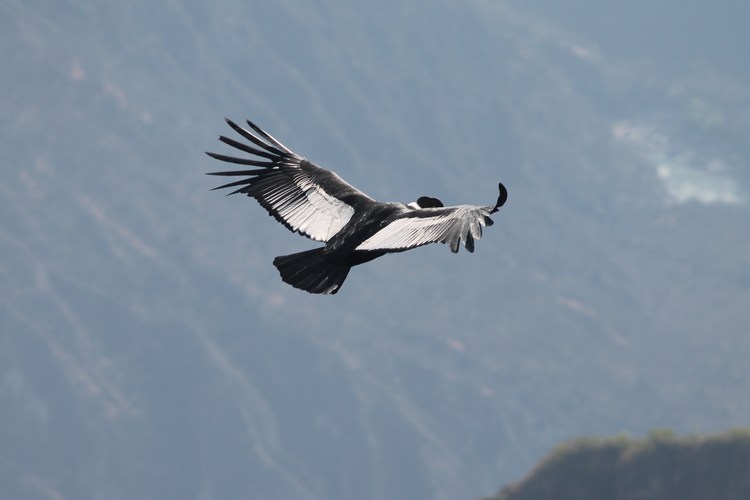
(310, 271)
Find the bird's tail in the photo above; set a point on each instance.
(310, 271)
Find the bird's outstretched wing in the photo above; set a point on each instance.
(449, 225)
(304, 197)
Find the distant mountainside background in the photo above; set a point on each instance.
(661, 467)
(149, 349)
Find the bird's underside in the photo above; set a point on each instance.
(317, 203)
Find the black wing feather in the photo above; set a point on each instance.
(255, 140)
(246, 148)
(302, 196)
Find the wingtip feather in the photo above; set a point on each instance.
(502, 197)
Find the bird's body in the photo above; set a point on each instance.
(355, 228)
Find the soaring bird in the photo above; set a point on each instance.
(355, 228)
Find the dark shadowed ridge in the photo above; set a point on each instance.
(660, 467)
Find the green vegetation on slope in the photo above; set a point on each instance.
(659, 467)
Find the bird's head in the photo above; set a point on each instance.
(426, 202)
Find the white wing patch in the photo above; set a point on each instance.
(461, 223)
(320, 217)
(302, 205)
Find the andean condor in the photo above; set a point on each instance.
(317, 203)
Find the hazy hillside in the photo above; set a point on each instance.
(660, 467)
(150, 350)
